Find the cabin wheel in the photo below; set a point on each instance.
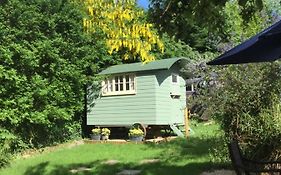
(141, 126)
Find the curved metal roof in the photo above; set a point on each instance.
(137, 67)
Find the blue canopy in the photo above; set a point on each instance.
(263, 47)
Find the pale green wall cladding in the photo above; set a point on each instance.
(151, 105)
(127, 109)
(169, 110)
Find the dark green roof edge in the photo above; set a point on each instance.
(137, 67)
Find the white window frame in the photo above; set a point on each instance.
(191, 88)
(177, 78)
(110, 87)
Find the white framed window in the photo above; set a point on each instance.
(175, 78)
(190, 88)
(122, 84)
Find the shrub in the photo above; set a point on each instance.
(261, 134)
(6, 142)
(42, 99)
(247, 106)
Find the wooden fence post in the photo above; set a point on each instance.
(186, 122)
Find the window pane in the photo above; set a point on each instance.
(127, 77)
(121, 83)
(174, 78)
(127, 86)
(132, 83)
(109, 85)
(127, 81)
(116, 84)
(104, 87)
(188, 88)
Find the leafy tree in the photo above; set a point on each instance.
(248, 106)
(44, 65)
(176, 19)
(127, 32)
(206, 24)
(176, 48)
(205, 11)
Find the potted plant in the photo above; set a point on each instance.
(136, 134)
(105, 132)
(96, 134)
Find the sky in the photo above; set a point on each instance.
(143, 3)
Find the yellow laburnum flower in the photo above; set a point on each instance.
(123, 26)
(126, 56)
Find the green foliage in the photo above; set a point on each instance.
(176, 19)
(236, 29)
(233, 26)
(6, 139)
(273, 7)
(46, 59)
(263, 133)
(176, 48)
(220, 153)
(247, 105)
(206, 11)
(210, 25)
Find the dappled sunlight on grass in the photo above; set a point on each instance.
(179, 156)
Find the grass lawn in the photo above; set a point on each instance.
(178, 157)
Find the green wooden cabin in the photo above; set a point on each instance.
(152, 94)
